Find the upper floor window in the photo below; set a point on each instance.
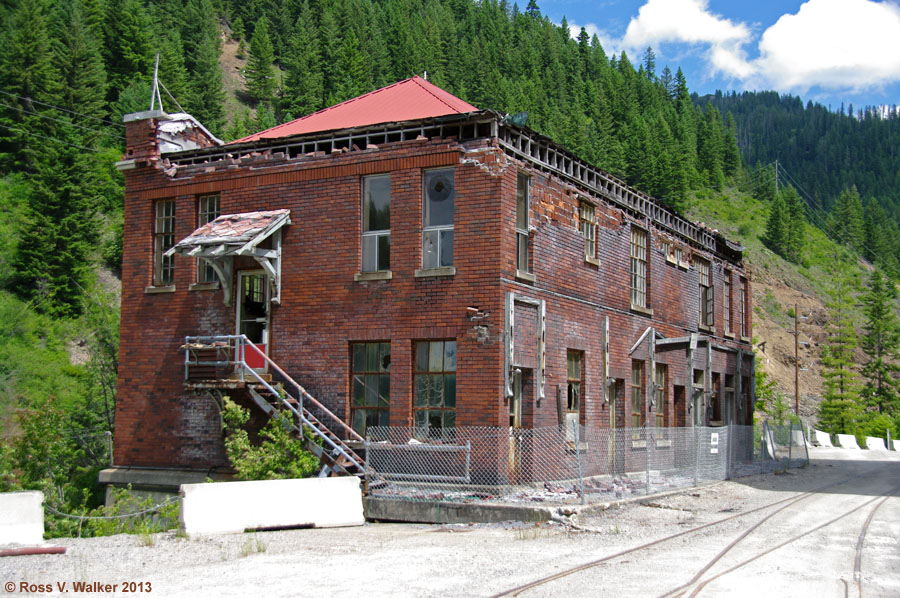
(207, 211)
(522, 205)
(638, 267)
(743, 320)
(376, 223)
(726, 303)
(163, 240)
(574, 380)
(437, 216)
(434, 381)
(370, 380)
(588, 229)
(706, 292)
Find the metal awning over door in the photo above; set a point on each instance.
(234, 235)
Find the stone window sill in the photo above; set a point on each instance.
(706, 328)
(431, 272)
(663, 443)
(379, 275)
(684, 265)
(671, 260)
(155, 290)
(592, 261)
(641, 310)
(639, 444)
(745, 339)
(729, 335)
(204, 286)
(526, 276)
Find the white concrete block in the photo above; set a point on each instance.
(21, 518)
(875, 444)
(823, 438)
(847, 441)
(232, 507)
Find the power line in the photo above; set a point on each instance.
(103, 120)
(88, 149)
(65, 122)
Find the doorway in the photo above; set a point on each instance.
(253, 315)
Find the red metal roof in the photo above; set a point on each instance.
(409, 99)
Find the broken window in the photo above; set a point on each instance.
(726, 303)
(376, 223)
(574, 380)
(706, 293)
(163, 239)
(637, 396)
(207, 211)
(437, 214)
(370, 385)
(522, 201)
(638, 267)
(661, 407)
(743, 321)
(434, 380)
(729, 396)
(588, 229)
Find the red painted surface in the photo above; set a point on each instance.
(409, 99)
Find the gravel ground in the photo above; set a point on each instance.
(481, 559)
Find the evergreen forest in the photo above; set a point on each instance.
(72, 68)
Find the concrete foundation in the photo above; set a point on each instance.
(21, 518)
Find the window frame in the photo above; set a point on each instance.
(661, 391)
(425, 375)
(378, 376)
(742, 291)
(523, 213)
(640, 268)
(726, 304)
(163, 240)
(205, 273)
(574, 381)
(705, 295)
(587, 223)
(637, 398)
(378, 234)
(438, 231)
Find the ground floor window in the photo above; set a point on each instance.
(662, 409)
(434, 382)
(370, 385)
(637, 395)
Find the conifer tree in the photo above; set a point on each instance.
(303, 80)
(881, 342)
(839, 411)
(845, 222)
(208, 95)
(260, 66)
(128, 50)
(795, 231)
(777, 226)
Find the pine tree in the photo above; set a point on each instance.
(839, 411)
(128, 48)
(795, 233)
(303, 78)
(845, 222)
(881, 342)
(260, 70)
(351, 80)
(777, 226)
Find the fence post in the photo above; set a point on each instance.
(647, 444)
(696, 455)
(575, 425)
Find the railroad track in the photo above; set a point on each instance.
(704, 576)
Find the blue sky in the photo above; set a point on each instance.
(829, 51)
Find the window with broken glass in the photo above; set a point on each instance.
(706, 293)
(434, 380)
(574, 380)
(376, 223)
(637, 398)
(437, 215)
(370, 385)
(163, 240)
(207, 211)
(742, 308)
(726, 303)
(638, 267)
(522, 205)
(588, 229)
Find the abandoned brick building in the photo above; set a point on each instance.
(410, 260)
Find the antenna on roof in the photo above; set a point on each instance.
(154, 93)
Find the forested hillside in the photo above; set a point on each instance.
(71, 68)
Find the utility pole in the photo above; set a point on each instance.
(796, 361)
(776, 175)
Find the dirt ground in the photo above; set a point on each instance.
(485, 560)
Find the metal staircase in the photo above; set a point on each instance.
(220, 362)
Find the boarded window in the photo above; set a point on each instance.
(434, 380)
(163, 240)
(638, 267)
(437, 213)
(370, 385)
(376, 223)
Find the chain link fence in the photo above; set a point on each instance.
(568, 466)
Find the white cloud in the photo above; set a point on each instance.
(609, 43)
(837, 44)
(682, 21)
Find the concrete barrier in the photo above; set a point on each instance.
(233, 507)
(823, 438)
(21, 518)
(847, 441)
(875, 444)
